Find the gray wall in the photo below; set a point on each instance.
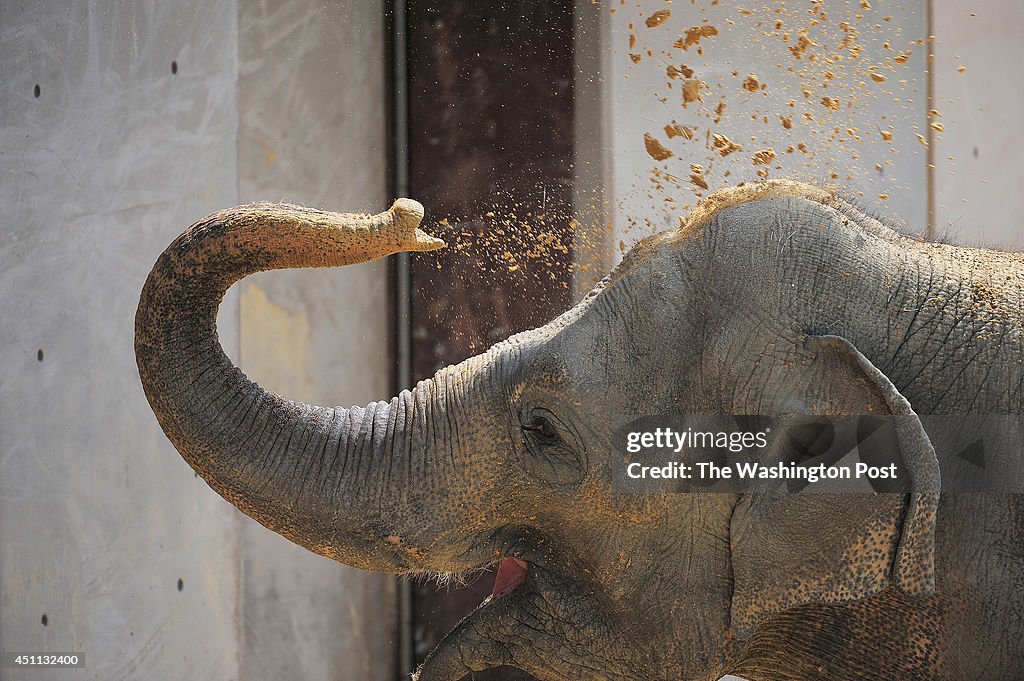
(99, 517)
(312, 131)
(978, 197)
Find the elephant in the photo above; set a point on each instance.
(772, 298)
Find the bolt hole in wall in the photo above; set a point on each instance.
(174, 67)
(36, 90)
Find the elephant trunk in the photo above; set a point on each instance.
(312, 474)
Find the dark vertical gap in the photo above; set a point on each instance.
(396, 88)
(491, 126)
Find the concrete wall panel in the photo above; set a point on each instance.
(105, 155)
(977, 155)
(312, 131)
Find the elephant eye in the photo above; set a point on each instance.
(556, 455)
(542, 430)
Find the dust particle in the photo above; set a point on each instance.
(693, 36)
(691, 91)
(830, 102)
(938, 127)
(697, 175)
(682, 70)
(877, 77)
(751, 83)
(719, 110)
(636, 58)
(923, 141)
(658, 18)
(787, 122)
(724, 145)
(656, 149)
(764, 157)
(886, 135)
(961, 69)
(802, 43)
(677, 130)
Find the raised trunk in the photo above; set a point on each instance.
(309, 473)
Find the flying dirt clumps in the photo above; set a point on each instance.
(697, 175)
(764, 157)
(658, 18)
(656, 149)
(804, 99)
(673, 71)
(677, 130)
(693, 36)
(801, 46)
(724, 145)
(692, 91)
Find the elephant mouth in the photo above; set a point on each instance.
(476, 642)
(511, 574)
(531, 609)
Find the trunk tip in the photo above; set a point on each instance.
(407, 212)
(407, 215)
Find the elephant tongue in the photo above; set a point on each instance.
(511, 573)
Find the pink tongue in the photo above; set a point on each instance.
(511, 573)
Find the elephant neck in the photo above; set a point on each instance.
(937, 320)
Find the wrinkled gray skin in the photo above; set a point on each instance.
(776, 299)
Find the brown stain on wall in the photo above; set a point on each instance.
(275, 345)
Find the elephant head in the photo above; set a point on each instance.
(506, 459)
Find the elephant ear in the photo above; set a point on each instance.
(794, 549)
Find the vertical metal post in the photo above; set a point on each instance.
(401, 270)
